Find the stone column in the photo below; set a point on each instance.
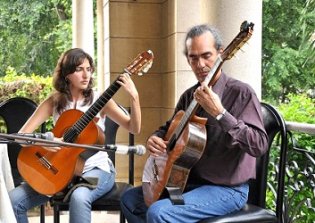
(246, 65)
(82, 25)
(100, 45)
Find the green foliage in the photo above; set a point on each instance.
(32, 86)
(33, 34)
(300, 108)
(288, 48)
(288, 69)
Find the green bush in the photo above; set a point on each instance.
(300, 108)
(32, 86)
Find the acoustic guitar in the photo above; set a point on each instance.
(50, 172)
(167, 175)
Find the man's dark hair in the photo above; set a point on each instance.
(201, 29)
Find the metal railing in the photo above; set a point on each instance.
(301, 127)
(299, 191)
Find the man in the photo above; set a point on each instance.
(217, 183)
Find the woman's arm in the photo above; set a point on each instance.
(41, 114)
(133, 122)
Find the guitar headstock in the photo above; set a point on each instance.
(242, 37)
(141, 64)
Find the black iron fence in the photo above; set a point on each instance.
(299, 182)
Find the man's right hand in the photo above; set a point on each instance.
(156, 145)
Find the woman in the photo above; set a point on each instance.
(73, 83)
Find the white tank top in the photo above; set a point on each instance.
(99, 159)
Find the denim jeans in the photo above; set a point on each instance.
(201, 202)
(24, 197)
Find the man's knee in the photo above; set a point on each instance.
(155, 212)
(152, 214)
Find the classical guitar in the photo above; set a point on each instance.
(186, 136)
(50, 172)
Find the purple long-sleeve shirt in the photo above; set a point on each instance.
(234, 141)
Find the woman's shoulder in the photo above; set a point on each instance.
(49, 101)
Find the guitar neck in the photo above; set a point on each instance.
(190, 111)
(97, 106)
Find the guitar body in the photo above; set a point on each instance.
(50, 172)
(172, 169)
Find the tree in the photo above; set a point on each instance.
(33, 33)
(288, 48)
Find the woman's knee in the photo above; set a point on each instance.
(80, 196)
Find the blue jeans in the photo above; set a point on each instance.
(201, 202)
(24, 197)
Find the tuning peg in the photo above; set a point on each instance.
(246, 45)
(150, 52)
(242, 50)
(236, 57)
(147, 67)
(140, 73)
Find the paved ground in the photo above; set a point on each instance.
(97, 217)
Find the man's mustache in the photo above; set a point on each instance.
(205, 69)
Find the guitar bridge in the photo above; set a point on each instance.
(46, 163)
